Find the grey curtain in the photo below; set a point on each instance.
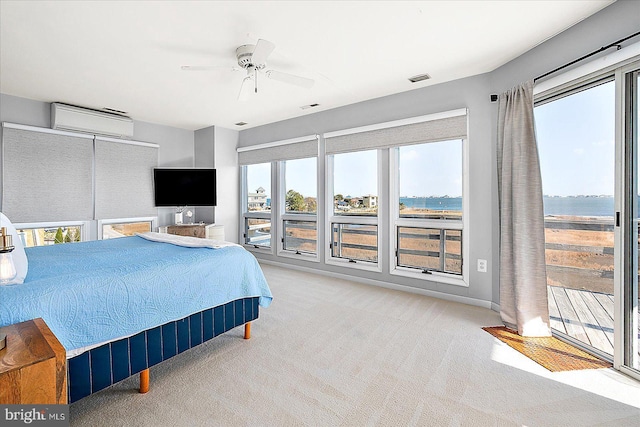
(523, 277)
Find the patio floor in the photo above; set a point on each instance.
(584, 315)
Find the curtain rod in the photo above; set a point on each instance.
(615, 43)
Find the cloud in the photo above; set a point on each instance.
(578, 151)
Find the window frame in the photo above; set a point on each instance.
(285, 216)
(395, 222)
(84, 227)
(102, 222)
(245, 214)
(331, 218)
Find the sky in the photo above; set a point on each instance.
(576, 145)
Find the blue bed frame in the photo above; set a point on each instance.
(98, 368)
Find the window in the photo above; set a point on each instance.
(428, 194)
(354, 205)
(355, 184)
(354, 242)
(430, 249)
(299, 216)
(257, 210)
(289, 213)
(49, 234)
(123, 228)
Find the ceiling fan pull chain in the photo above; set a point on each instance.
(255, 73)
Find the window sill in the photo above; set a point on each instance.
(448, 279)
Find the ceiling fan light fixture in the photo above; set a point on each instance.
(419, 78)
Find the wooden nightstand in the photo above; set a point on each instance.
(33, 365)
(208, 231)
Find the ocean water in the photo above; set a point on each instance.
(434, 203)
(579, 206)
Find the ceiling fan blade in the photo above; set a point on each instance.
(208, 67)
(262, 51)
(245, 89)
(290, 78)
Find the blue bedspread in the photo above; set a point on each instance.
(97, 291)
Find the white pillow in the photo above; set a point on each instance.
(18, 254)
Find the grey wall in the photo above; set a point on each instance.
(612, 23)
(472, 93)
(182, 148)
(176, 145)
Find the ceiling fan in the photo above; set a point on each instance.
(253, 59)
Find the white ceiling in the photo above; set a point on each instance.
(127, 55)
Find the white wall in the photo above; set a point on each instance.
(226, 163)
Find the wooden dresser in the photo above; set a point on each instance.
(32, 365)
(204, 231)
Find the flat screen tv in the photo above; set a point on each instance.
(184, 187)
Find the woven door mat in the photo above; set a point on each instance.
(550, 352)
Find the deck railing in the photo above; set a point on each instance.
(576, 276)
(576, 269)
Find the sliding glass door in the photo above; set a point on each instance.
(576, 142)
(630, 220)
(589, 159)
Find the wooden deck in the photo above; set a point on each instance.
(586, 316)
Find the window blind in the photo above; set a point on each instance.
(124, 179)
(279, 151)
(46, 176)
(440, 129)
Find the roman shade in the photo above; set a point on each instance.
(124, 178)
(46, 175)
(298, 148)
(437, 127)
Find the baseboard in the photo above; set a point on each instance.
(495, 307)
(434, 294)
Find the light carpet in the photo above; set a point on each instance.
(330, 352)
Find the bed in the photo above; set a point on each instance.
(120, 306)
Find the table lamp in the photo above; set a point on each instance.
(7, 268)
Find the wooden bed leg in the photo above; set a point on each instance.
(247, 330)
(144, 381)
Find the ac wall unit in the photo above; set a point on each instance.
(77, 119)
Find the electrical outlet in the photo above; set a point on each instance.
(482, 265)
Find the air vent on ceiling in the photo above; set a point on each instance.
(306, 107)
(419, 78)
(241, 123)
(79, 119)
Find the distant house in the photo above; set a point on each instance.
(258, 200)
(369, 201)
(342, 205)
